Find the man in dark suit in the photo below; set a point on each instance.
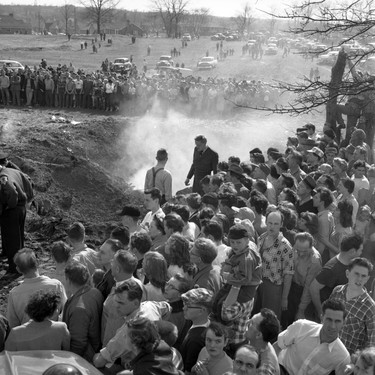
(204, 162)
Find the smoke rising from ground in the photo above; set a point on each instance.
(235, 135)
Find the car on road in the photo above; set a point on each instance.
(121, 63)
(328, 58)
(207, 62)
(164, 61)
(271, 49)
(11, 64)
(251, 42)
(186, 37)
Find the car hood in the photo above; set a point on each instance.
(37, 361)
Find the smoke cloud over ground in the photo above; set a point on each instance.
(235, 135)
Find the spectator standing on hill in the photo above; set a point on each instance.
(204, 162)
(160, 177)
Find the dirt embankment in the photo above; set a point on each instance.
(70, 165)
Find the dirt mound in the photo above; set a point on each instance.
(69, 156)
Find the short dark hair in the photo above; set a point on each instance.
(77, 273)
(326, 196)
(60, 251)
(121, 234)
(155, 193)
(143, 333)
(141, 241)
(361, 262)
(214, 229)
(205, 180)
(168, 331)
(259, 202)
(174, 221)
(329, 182)
(194, 200)
(183, 211)
(26, 260)
(352, 241)
(349, 185)
(206, 249)
(290, 195)
(261, 185)
(289, 180)
(218, 329)
(114, 244)
(269, 327)
(132, 288)
(304, 236)
(161, 154)
(227, 199)
(333, 304)
(359, 164)
(127, 261)
(76, 231)
(155, 268)
(42, 304)
(234, 160)
(205, 215)
(200, 138)
(179, 253)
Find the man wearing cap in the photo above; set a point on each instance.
(314, 158)
(160, 177)
(234, 175)
(130, 218)
(15, 192)
(304, 191)
(204, 162)
(197, 307)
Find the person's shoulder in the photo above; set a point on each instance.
(332, 263)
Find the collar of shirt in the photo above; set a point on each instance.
(330, 345)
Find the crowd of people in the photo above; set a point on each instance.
(130, 90)
(260, 266)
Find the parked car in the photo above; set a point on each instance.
(121, 63)
(328, 58)
(208, 62)
(11, 64)
(251, 42)
(186, 37)
(271, 49)
(164, 61)
(35, 362)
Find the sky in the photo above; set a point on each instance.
(223, 8)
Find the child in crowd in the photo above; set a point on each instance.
(362, 223)
(242, 270)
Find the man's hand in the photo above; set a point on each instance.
(187, 182)
(99, 360)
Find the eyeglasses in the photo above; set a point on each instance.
(239, 363)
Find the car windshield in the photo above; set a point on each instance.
(120, 61)
(205, 59)
(164, 58)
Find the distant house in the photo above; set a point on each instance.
(131, 29)
(11, 25)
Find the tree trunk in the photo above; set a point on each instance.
(332, 115)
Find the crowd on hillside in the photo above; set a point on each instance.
(65, 86)
(260, 266)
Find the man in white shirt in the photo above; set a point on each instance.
(359, 178)
(307, 347)
(152, 203)
(27, 264)
(160, 177)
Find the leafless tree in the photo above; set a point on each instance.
(99, 11)
(244, 19)
(171, 13)
(67, 12)
(197, 18)
(337, 23)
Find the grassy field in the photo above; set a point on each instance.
(30, 49)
